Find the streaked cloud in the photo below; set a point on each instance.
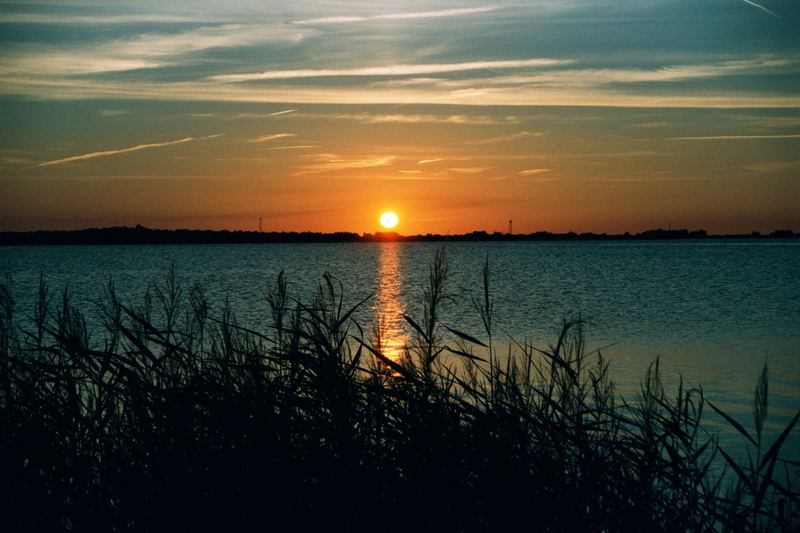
(400, 16)
(140, 18)
(334, 163)
(773, 167)
(550, 86)
(390, 70)
(412, 118)
(10, 161)
(256, 116)
(294, 147)
(284, 112)
(734, 137)
(108, 153)
(468, 170)
(533, 171)
(60, 89)
(507, 138)
(113, 112)
(271, 137)
(140, 51)
(603, 77)
(762, 8)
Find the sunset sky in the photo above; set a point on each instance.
(561, 115)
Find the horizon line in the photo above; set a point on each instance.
(480, 234)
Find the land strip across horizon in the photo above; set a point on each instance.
(143, 235)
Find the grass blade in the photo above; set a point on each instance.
(466, 337)
(733, 423)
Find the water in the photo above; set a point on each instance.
(713, 311)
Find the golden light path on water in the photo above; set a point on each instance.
(388, 305)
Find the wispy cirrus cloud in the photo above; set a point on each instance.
(284, 112)
(468, 170)
(735, 137)
(773, 167)
(294, 147)
(271, 137)
(416, 118)
(652, 125)
(581, 78)
(141, 51)
(68, 19)
(110, 113)
(257, 116)
(137, 148)
(762, 8)
(390, 70)
(335, 163)
(61, 89)
(507, 138)
(533, 171)
(400, 16)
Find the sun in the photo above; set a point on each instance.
(389, 219)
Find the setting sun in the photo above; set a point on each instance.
(389, 219)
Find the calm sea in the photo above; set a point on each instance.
(713, 311)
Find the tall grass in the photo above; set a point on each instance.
(172, 417)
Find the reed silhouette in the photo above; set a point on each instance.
(172, 417)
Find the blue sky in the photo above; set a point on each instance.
(317, 114)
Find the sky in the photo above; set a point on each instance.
(604, 116)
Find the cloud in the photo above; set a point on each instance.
(141, 51)
(772, 167)
(113, 112)
(507, 138)
(762, 8)
(389, 70)
(533, 171)
(734, 137)
(401, 118)
(284, 112)
(64, 89)
(653, 125)
(237, 116)
(52, 18)
(469, 170)
(13, 161)
(428, 161)
(604, 77)
(294, 147)
(400, 16)
(107, 153)
(769, 121)
(271, 137)
(334, 163)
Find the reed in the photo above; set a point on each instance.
(170, 416)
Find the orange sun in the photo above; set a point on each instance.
(389, 219)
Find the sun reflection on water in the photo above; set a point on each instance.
(388, 305)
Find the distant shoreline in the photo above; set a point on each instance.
(142, 235)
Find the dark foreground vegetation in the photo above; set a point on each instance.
(175, 418)
(142, 235)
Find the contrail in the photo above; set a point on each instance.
(107, 153)
(275, 114)
(762, 8)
